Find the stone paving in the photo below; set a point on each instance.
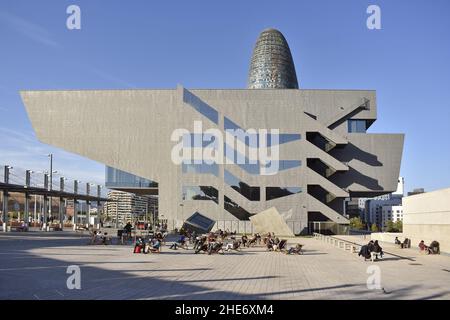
(33, 266)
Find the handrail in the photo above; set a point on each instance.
(338, 241)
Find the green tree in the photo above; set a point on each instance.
(389, 226)
(357, 224)
(398, 225)
(374, 228)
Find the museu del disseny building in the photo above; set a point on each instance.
(302, 151)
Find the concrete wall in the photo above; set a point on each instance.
(427, 217)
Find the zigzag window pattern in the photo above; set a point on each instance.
(200, 193)
(236, 210)
(277, 192)
(251, 193)
(253, 140)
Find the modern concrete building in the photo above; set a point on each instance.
(323, 153)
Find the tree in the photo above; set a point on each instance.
(374, 228)
(398, 225)
(357, 224)
(389, 226)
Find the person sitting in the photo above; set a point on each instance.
(370, 246)
(139, 245)
(377, 249)
(105, 238)
(434, 248)
(406, 244)
(233, 246)
(156, 246)
(295, 250)
(270, 244)
(244, 240)
(281, 246)
(423, 247)
(202, 246)
(397, 242)
(252, 241)
(93, 237)
(364, 252)
(216, 247)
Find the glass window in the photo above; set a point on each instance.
(116, 178)
(251, 193)
(253, 140)
(200, 193)
(201, 168)
(358, 126)
(277, 192)
(235, 209)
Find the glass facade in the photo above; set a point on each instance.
(253, 140)
(251, 193)
(277, 192)
(200, 193)
(358, 126)
(116, 178)
(201, 168)
(235, 209)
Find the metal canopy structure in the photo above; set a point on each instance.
(199, 223)
(46, 190)
(49, 193)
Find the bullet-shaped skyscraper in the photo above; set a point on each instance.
(272, 66)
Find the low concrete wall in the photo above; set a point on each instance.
(388, 237)
(426, 217)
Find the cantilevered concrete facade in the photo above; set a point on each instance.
(321, 162)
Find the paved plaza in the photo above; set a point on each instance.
(33, 266)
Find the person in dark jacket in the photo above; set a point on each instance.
(364, 252)
(377, 248)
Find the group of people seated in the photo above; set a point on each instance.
(403, 245)
(97, 237)
(433, 248)
(152, 245)
(254, 240)
(373, 247)
(215, 242)
(210, 243)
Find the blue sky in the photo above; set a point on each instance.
(208, 44)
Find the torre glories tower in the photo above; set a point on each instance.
(230, 154)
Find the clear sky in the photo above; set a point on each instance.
(208, 44)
